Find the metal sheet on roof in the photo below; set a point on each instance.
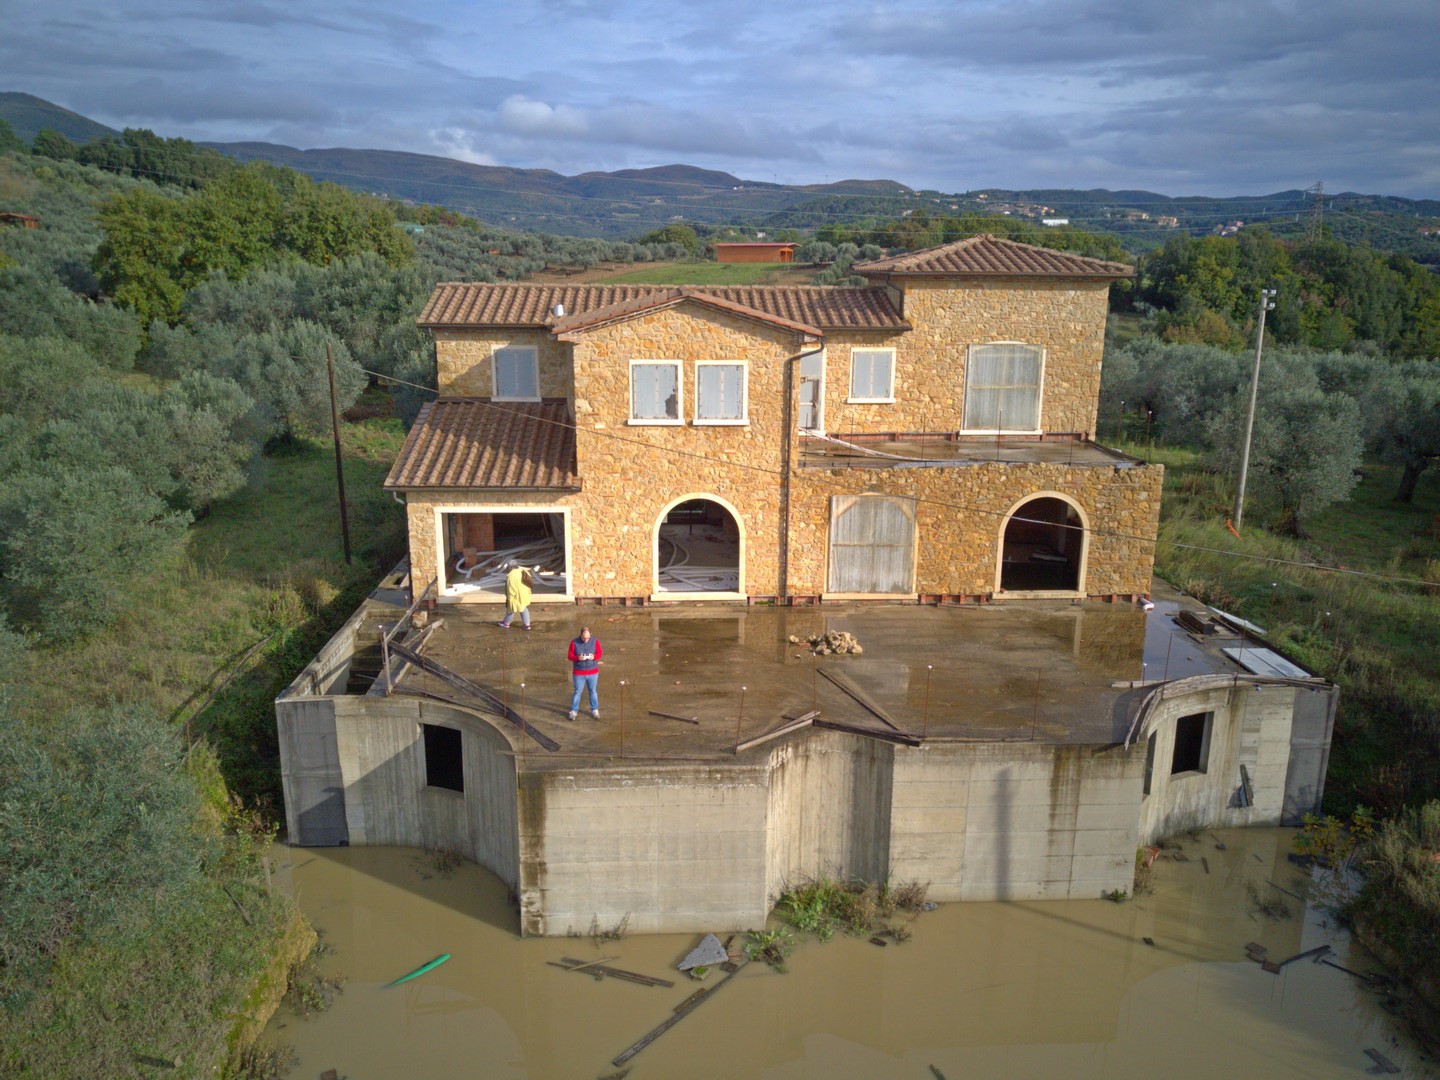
(1265, 662)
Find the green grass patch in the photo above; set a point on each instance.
(713, 273)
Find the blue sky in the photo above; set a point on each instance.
(1198, 97)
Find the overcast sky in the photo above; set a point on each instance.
(1175, 96)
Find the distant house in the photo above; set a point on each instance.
(24, 221)
(754, 253)
(1053, 222)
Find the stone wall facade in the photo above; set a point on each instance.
(1067, 319)
(633, 473)
(464, 368)
(961, 516)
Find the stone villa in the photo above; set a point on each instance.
(713, 474)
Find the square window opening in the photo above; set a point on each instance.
(517, 373)
(444, 760)
(719, 393)
(1002, 387)
(1192, 744)
(872, 375)
(655, 392)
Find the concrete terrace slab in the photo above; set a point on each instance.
(1022, 671)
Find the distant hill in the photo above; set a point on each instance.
(626, 203)
(29, 115)
(631, 202)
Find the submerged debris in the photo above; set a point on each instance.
(707, 954)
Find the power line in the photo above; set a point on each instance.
(671, 452)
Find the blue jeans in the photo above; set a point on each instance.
(586, 682)
(524, 617)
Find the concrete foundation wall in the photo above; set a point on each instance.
(1015, 821)
(1251, 725)
(670, 848)
(828, 810)
(677, 848)
(382, 760)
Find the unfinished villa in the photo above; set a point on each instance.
(717, 478)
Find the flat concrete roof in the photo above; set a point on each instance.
(940, 451)
(1016, 670)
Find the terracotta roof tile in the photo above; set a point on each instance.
(991, 256)
(461, 304)
(669, 296)
(474, 443)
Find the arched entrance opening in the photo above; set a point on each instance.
(1042, 547)
(699, 547)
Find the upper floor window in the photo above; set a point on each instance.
(720, 392)
(517, 373)
(1002, 387)
(655, 392)
(872, 374)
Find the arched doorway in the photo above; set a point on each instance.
(1043, 546)
(699, 548)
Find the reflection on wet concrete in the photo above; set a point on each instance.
(1062, 989)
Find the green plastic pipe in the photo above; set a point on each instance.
(421, 970)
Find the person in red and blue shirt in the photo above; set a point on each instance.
(585, 656)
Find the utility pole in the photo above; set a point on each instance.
(339, 472)
(1267, 303)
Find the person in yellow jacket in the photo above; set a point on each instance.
(518, 583)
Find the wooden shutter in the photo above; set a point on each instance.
(872, 544)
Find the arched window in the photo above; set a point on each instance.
(698, 548)
(1042, 548)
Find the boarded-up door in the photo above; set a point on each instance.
(872, 544)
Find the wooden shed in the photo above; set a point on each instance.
(754, 253)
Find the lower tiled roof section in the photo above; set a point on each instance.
(475, 443)
(463, 304)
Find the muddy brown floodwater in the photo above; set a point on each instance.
(1035, 989)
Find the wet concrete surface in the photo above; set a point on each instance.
(1038, 989)
(1015, 671)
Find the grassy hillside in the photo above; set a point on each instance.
(712, 273)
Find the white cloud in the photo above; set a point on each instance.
(524, 116)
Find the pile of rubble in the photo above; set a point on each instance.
(830, 643)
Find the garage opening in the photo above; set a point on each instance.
(480, 547)
(1043, 547)
(697, 549)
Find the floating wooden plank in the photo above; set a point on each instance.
(902, 738)
(492, 700)
(936, 1073)
(774, 733)
(691, 1001)
(675, 716)
(695, 1001)
(572, 964)
(879, 941)
(1205, 863)
(582, 966)
(1272, 967)
(1287, 892)
(1256, 947)
(848, 685)
(1382, 1063)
